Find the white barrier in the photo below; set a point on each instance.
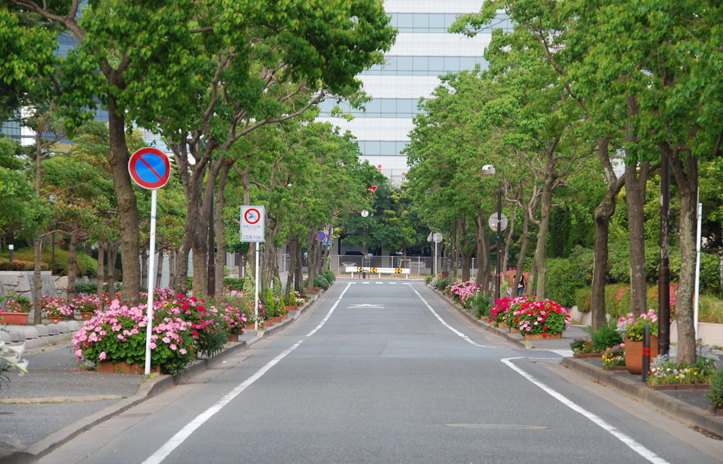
(377, 270)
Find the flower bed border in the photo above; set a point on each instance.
(681, 387)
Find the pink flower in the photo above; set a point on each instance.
(183, 351)
(152, 345)
(166, 340)
(173, 346)
(102, 355)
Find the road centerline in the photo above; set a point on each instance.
(328, 315)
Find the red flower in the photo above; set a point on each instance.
(545, 327)
(544, 335)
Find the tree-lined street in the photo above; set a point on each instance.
(386, 378)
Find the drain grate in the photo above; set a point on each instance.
(498, 426)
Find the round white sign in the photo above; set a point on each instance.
(493, 222)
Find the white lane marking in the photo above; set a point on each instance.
(366, 306)
(185, 432)
(464, 337)
(563, 353)
(365, 283)
(329, 313)
(380, 283)
(392, 283)
(630, 442)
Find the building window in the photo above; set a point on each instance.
(377, 108)
(425, 65)
(381, 148)
(439, 23)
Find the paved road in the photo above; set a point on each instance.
(380, 373)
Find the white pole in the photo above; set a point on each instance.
(435, 259)
(256, 289)
(696, 304)
(151, 273)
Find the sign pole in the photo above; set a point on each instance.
(151, 273)
(256, 289)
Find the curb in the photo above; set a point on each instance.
(145, 391)
(675, 408)
(506, 335)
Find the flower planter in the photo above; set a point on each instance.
(14, 318)
(634, 354)
(109, 367)
(542, 336)
(291, 308)
(233, 337)
(268, 324)
(284, 316)
(55, 320)
(717, 411)
(276, 319)
(86, 315)
(502, 325)
(616, 368)
(250, 326)
(514, 331)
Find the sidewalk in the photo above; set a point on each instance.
(59, 398)
(689, 407)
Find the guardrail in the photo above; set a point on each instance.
(377, 270)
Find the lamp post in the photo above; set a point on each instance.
(11, 248)
(664, 269)
(489, 170)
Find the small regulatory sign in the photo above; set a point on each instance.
(321, 236)
(397, 271)
(252, 223)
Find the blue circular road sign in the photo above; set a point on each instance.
(149, 167)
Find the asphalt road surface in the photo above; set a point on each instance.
(387, 373)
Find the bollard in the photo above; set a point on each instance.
(646, 352)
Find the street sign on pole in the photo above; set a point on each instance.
(321, 236)
(149, 167)
(493, 222)
(438, 237)
(252, 230)
(252, 223)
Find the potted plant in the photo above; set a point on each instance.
(667, 374)
(282, 308)
(715, 394)
(634, 327)
(511, 318)
(540, 320)
(292, 302)
(271, 309)
(55, 309)
(614, 358)
(17, 308)
(235, 319)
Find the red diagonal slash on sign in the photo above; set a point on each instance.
(150, 167)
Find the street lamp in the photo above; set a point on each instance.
(11, 248)
(489, 170)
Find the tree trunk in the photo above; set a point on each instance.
(220, 229)
(73, 260)
(310, 259)
(540, 269)
(520, 268)
(101, 270)
(687, 180)
(483, 252)
(172, 269)
(292, 266)
(299, 265)
(112, 255)
(453, 252)
(159, 270)
(144, 267)
(508, 241)
(602, 215)
(38, 297)
(635, 186)
(127, 206)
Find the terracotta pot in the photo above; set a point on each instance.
(251, 326)
(55, 320)
(276, 319)
(109, 367)
(233, 337)
(718, 411)
(268, 324)
(634, 354)
(285, 316)
(10, 318)
(290, 308)
(502, 325)
(529, 337)
(514, 331)
(86, 315)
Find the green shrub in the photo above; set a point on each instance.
(562, 281)
(428, 279)
(583, 299)
(86, 288)
(715, 393)
(233, 283)
(24, 260)
(328, 275)
(189, 282)
(482, 305)
(292, 298)
(320, 281)
(270, 305)
(442, 284)
(278, 287)
(605, 337)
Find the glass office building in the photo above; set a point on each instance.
(423, 51)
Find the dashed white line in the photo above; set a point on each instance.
(630, 442)
(380, 283)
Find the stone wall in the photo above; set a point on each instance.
(23, 283)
